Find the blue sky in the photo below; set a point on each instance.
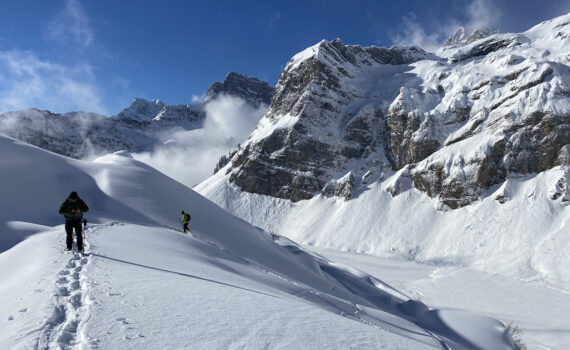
(97, 55)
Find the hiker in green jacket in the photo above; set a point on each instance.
(185, 221)
(72, 209)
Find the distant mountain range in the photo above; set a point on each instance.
(139, 127)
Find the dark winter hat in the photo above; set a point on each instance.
(73, 195)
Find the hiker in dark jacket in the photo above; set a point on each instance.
(73, 208)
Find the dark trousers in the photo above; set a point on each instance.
(185, 227)
(69, 226)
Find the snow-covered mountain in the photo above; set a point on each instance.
(145, 285)
(140, 127)
(367, 149)
(483, 108)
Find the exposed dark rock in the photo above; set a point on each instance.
(488, 46)
(224, 160)
(536, 146)
(141, 110)
(298, 162)
(402, 122)
(251, 89)
(501, 198)
(328, 132)
(345, 186)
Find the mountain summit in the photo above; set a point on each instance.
(251, 89)
(462, 36)
(141, 109)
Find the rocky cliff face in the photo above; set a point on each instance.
(322, 122)
(140, 127)
(251, 89)
(484, 107)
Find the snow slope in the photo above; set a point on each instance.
(147, 286)
(519, 228)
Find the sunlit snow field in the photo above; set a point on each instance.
(145, 285)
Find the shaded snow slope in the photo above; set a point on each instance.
(139, 262)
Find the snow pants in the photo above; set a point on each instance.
(69, 226)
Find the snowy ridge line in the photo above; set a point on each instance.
(357, 313)
(345, 308)
(181, 274)
(382, 307)
(368, 303)
(65, 327)
(348, 309)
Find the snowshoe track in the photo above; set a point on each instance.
(71, 308)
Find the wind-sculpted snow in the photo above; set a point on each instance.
(146, 203)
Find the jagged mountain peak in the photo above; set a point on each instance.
(141, 109)
(463, 36)
(327, 52)
(251, 89)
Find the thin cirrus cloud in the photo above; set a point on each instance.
(276, 17)
(27, 81)
(70, 26)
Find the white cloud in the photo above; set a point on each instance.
(411, 33)
(479, 14)
(198, 99)
(71, 26)
(190, 156)
(276, 17)
(28, 81)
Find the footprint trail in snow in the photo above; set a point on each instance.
(71, 308)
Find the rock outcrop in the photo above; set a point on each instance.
(251, 89)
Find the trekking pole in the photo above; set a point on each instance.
(84, 229)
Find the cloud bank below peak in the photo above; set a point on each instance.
(189, 156)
